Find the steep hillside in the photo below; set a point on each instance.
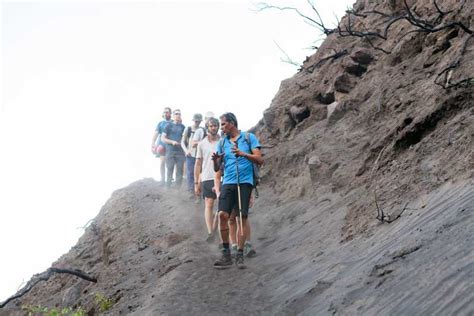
(367, 194)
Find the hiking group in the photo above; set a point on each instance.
(218, 167)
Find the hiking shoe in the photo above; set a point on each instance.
(211, 237)
(239, 261)
(249, 252)
(224, 262)
(233, 250)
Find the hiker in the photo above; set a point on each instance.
(174, 153)
(233, 230)
(238, 156)
(158, 147)
(201, 133)
(204, 173)
(190, 150)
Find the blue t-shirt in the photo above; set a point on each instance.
(160, 128)
(174, 132)
(245, 165)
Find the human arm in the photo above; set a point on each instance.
(217, 182)
(184, 137)
(164, 136)
(197, 171)
(217, 161)
(168, 141)
(197, 137)
(153, 141)
(254, 146)
(255, 156)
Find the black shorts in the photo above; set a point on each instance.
(228, 200)
(206, 187)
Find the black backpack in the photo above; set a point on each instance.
(189, 132)
(255, 166)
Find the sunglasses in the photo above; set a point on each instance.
(177, 113)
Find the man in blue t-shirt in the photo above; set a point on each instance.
(238, 153)
(158, 148)
(174, 153)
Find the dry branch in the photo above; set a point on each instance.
(44, 276)
(319, 24)
(336, 55)
(446, 73)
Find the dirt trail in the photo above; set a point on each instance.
(195, 287)
(158, 262)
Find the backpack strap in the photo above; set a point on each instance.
(188, 136)
(221, 144)
(247, 139)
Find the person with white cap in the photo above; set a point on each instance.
(201, 133)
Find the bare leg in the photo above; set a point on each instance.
(247, 229)
(163, 169)
(232, 228)
(208, 206)
(224, 226)
(241, 239)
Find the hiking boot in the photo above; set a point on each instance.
(239, 261)
(249, 252)
(224, 262)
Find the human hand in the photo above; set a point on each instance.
(197, 189)
(215, 156)
(216, 191)
(236, 151)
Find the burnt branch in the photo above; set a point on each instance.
(317, 23)
(44, 276)
(367, 35)
(421, 25)
(443, 78)
(381, 215)
(288, 60)
(388, 218)
(336, 55)
(441, 12)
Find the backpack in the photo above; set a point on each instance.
(189, 132)
(255, 166)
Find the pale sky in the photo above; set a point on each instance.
(83, 86)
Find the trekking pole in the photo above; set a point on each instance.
(238, 194)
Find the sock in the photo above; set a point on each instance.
(225, 245)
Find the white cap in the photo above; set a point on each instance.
(208, 115)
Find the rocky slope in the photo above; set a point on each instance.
(357, 133)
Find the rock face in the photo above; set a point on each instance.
(349, 138)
